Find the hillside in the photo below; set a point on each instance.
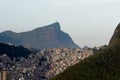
(50, 36)
(102, 66)
(116, 36)
(14, 51)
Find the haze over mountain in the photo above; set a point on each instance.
(105, 65)
(50, 36)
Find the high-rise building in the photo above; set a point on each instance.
(4, 75)
(0, 76)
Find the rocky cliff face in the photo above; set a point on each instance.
(50, 36)
(116, 36)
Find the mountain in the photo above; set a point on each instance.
(50, 36)
(116, 36)
(105, 65)
(14, 51)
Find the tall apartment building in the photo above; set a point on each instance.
(0, 76)
(4, 75)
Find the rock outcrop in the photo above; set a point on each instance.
(116, 36)
(50, 36)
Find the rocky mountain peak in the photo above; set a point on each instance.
(53, 26)
(49, 36)
(56, 25)
(8, 32)
(116, 36)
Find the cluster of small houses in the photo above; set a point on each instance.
(43, 65)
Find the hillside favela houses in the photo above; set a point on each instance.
(41, 65)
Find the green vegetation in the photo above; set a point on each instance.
(104, 65)
(14, 51)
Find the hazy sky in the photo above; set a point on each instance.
(89, 22)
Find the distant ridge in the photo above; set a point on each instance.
(50, 36)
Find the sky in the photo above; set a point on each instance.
(89, 22)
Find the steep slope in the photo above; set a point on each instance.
(49, 36)
(102, 66)
(116, 36)
(14, 51)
